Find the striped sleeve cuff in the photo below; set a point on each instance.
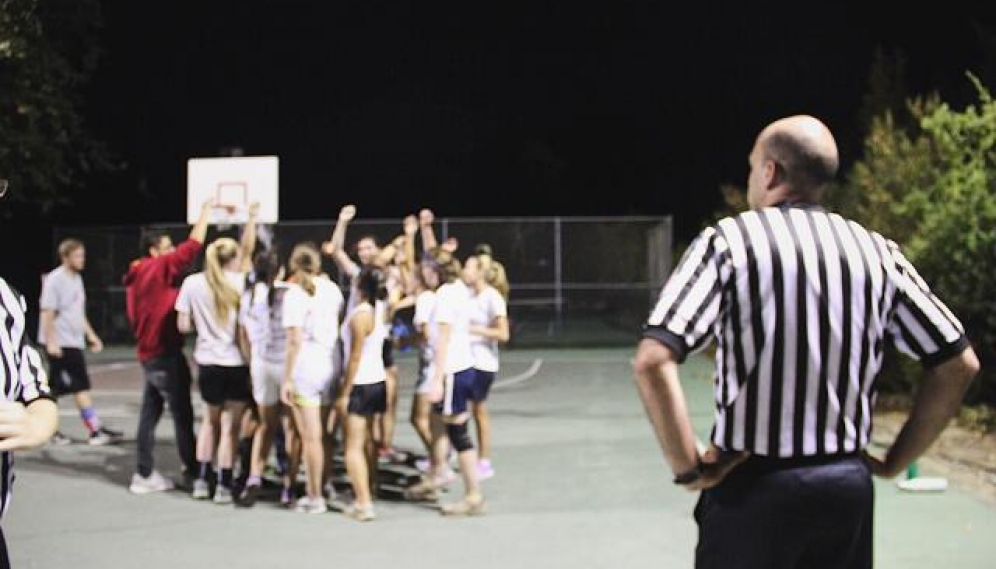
(944, 354)
(668, 338)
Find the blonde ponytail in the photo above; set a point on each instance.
(305, 263)
(226, 299)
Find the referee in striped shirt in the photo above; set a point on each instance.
(800, 303)
(28, 414)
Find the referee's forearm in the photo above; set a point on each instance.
(664, 401)
(938, 400)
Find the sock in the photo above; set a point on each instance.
(245, 455)
(254, 481)
(90, 419)
(226, 477)
(203, 470)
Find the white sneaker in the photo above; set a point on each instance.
(154, 482)
(424, 465)
(105, 437)
(201, 490)
(485, 470)
(222, 495)
(306, 505)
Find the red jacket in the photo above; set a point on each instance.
(151, 287)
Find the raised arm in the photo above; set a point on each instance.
(199, 231)
(336, 246)
(248, 242)
(425, 219)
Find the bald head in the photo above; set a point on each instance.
(794, 157)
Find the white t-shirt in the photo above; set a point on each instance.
(485, 307)
(371, 368)
(453, 307)
(217, 343)
(263, 323)
(63, 293)
(425, 304)
(317, 315)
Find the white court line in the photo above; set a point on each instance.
(522, 377)
(112, 367)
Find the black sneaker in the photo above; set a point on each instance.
(248, 497)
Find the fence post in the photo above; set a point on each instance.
(558, 280)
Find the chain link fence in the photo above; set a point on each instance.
(575, 281)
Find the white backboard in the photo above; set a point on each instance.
(235, 183)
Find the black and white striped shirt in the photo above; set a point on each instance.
(800, 303)
(24, 377)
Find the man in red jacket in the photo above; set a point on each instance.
(152, 284)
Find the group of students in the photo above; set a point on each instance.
(278, 342)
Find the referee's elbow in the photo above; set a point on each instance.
(651, 355)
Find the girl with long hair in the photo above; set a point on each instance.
(311, 310)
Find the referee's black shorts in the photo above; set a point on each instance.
(767, 516)
(68, 374)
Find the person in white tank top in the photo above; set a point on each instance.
(488, 327)
(311, 318)
(363, 393)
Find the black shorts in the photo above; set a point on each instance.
(388, 353)
(68, 374)
(482, 385)
(367, 400)
(219, 384)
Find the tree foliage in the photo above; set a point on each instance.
(48, 51)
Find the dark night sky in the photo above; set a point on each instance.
(499, 108)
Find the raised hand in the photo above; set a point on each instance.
(425, 217)
(347, 213)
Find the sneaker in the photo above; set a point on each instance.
(154, 482)
(59, 439)
(202, 490)
(361, 514)
(104, 436)
(249, 496)
(484, 469)
(222, 495)
(469, 506)
(306, 505)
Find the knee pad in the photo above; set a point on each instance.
(458, 437)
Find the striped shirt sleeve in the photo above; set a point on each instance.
(920, 325)
(686, 314)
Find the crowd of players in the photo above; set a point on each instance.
(293, 373)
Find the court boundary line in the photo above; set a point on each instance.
(522, 377)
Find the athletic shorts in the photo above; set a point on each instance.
(219, 384)
(482, 385)
(388, 353)
(313, 376)
(68, 374)
(423, 384)
(368, 399)
(458, 388)
(266, 379)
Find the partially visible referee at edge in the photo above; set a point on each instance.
(28, 413)
(800, 302)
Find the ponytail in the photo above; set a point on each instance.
(372, 284)
(226, 299)
(305, 265)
